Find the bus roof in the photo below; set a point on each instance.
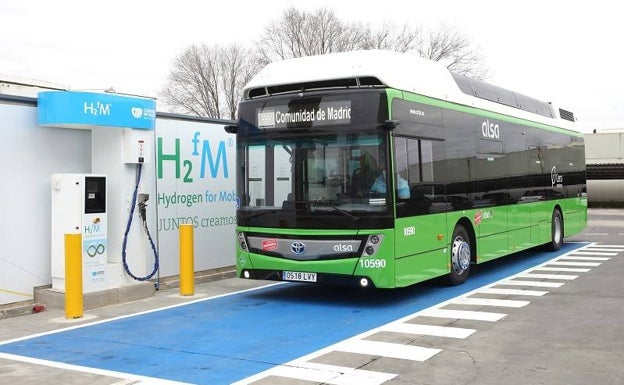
(402, 71)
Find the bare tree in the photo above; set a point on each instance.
(447, 45)
(208, 80)
(301, 33)
(390, 37)
(238, 66)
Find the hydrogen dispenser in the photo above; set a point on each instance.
(79, 206)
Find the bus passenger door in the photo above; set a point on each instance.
(419, 227)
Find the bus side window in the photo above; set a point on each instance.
(414, 168)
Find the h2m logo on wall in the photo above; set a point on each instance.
(206, 152)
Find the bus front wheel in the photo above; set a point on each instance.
(461, 256)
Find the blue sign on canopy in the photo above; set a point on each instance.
(84, 109)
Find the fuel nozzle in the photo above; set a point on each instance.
(142, 206)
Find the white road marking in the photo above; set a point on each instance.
(462, 314)
(331, 374)
(137, 313)
(594, 253)
(579, 264)
(576, 258)
(565, 277)
(533, 293)
(102, 372)
(563, 269)
(610, 246)
(428, 330)
(387, 349)
(491, 302)
(515, 282)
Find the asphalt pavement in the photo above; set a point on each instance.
(571, 333)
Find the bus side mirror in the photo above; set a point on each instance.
(390, 125)
(233, 129)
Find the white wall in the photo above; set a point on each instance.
(214, 212)
(604, 147)
(608, 191)
(30, 155)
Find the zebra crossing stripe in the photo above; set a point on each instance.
(462, 314)
(576, 258)
(594, 253)
(533, 293)
(490, 302)
(603, 249)
(563, 269)
(579, 264)
(428, 330)
(387, 349)
(565, 277)
(515, 282)
(330, 374)
(609, 246)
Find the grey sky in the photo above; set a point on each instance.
(567, 52)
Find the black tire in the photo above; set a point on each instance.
(461, 256)
(556, 231)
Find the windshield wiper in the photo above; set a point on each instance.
(345, 213)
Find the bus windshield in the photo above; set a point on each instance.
(328, 180)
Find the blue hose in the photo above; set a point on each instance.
(125, 239)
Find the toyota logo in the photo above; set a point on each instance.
(298, 248)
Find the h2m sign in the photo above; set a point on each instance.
(211, 154)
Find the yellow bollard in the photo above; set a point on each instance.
(73, 276)
(187, 266)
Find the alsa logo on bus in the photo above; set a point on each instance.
(343, 248)
(555, 178)
(490, 130)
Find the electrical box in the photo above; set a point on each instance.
(79, 206)
(137, 146)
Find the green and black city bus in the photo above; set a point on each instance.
(475, 172)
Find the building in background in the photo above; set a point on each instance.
(604, 153)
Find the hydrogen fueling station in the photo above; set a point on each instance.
(94, 205)
(104, 166)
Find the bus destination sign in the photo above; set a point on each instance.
(305, 115)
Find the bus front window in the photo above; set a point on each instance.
(325, 179)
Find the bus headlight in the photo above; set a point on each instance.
(242, 240)
(372, 244)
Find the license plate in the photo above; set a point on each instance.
(298, 276)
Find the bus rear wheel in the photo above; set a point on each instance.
(461, 255)
(556, 231)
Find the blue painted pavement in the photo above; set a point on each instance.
(226, 339)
